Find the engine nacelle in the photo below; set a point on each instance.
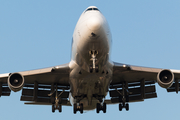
(15, 82)
(165, 78)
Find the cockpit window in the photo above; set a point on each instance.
(91, 9)
(95, 9)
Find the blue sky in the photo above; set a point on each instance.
(37, 34)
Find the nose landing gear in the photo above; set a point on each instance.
(92, 67)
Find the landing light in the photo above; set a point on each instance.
(124, 65)
(57, 67)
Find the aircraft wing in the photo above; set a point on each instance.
(39, 85)
(139, 82)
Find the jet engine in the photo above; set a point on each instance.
(15, 82)
(165, 78)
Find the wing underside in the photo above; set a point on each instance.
(134, 83)
(41, 86)
(45, 93)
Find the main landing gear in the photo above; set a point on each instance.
(56, 106)
(78, 107)
(56, 101)
(100, 107)
(126, 106)
(124, 97)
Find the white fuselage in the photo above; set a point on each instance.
(91, 70)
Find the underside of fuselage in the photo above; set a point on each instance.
(91, 71)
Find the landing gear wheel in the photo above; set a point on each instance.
(97, 69)
(120, 107)
(90, 68)
(75, 108)
(81, 108)
(60, 108)
(53, 108)
(98, 107)
(104, 107)
(127, 107)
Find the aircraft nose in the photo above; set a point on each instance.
(94, 23)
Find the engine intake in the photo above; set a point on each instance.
(15, 82)
(165, 78)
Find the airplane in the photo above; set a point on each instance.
(86, 80)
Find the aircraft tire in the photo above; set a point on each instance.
(127, 107)
(81, 108)
(60, 108)
(91, 69)
(97, 69)
(98, 107)
(75, 108)
(53, 108)
(104, 107)
(120, 107)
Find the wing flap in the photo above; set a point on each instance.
(135, 91)
(41, 100)
(151, 95)
(131, 99)
(136, 98)
(26, 98)
(45, 93)
(175, 87)
(6, 94)
(45, 103)
(4, 90)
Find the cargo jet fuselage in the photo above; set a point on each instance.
(90, 74)
(91, 69)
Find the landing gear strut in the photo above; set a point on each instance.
(124, 97)
(56, 101)
(100, 105)
(92, 67)
(54, 107)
